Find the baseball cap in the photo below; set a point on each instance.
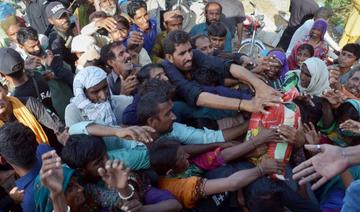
(55, 10)
(10, 61)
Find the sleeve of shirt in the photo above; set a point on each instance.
(189, 90)
(191, 135)
(212, 63)
(135, 158)
(80, 128)
(144, 57)
(89, 29)
(44, 116)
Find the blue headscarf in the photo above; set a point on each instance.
(321, 25)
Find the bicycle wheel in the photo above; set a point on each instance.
(251, 52)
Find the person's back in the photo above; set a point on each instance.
(19, 149)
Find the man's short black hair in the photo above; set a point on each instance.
(18, 144)
(210, 3)
(173, 39)
(148, 106)
(25, 34)
(106, 52)
(82, 149)
(157, 86)
(195, 38)
(217, 29)
(144, 73)
(206, 77)
(347, 110)
(353, 48)
(133, 6)
(163, 155)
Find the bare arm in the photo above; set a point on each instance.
(59, 202)
(235, 132)
(231, 183)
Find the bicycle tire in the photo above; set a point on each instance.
(246, 45)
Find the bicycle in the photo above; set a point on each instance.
(252, 47)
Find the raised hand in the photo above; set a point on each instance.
(51, 172)
(267, 134)
(129, 85)
(351, 125)
(107, 23)
(271, 166)
(334, 97)
(329, 162)
(16, 195)
(136, 133)
(292, 135)
(311, 135)
(115, 174)
(334, 77)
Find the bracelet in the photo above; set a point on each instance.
(130, 196)
(239, 105)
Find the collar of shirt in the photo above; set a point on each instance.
(24, 181)
(115, 76)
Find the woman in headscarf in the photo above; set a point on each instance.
(276, 74)
(311, 79)
(316, 39)
(92, 99)
(299, 55)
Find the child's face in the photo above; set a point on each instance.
(301, 56)
(182, 162)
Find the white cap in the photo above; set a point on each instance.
(83, 43)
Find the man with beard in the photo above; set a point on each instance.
(108, 6)
(144, 27)
(213, 12)
(42, 62)
(121, 80)
(60, 39)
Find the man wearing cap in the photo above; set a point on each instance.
(25, 85)
(172, 20)
(61, 37)
(41, 61)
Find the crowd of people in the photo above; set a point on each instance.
(107, 106)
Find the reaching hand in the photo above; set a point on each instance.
(334, 97)
(129, 85)
(32, 63)
(334, 78)
(115, 174)
(351, 125)
(267, 134)
(323, 166)
(258, 104)
(132, 206)
(63, 136)
(51, 172)
(292, 135)
(49, 57)
(136, 133)
(16, 195)
(311, 135)
(48, 75)
(258, 152)
(135, 41)
(270, 166)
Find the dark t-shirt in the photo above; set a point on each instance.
(42, 92)
(301, 8)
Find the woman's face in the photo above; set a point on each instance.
(158, 73)
(74, 194)
(301, 56)
(274, 71)
(305, 76)
(120, 33)
(315, 34)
